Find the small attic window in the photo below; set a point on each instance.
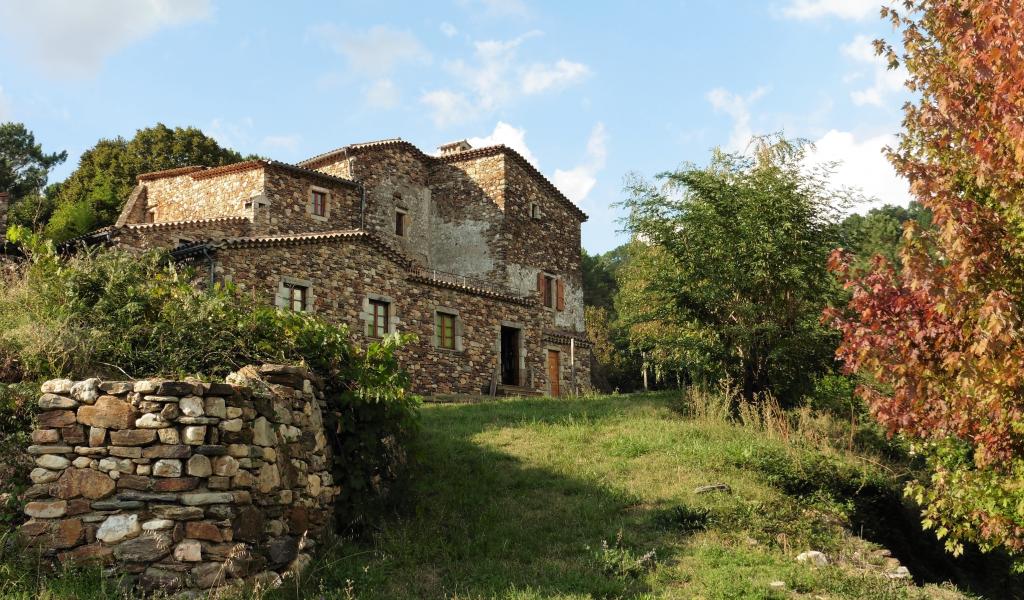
(535, 211)
(400, 222)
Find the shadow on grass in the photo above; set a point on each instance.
(475, 522)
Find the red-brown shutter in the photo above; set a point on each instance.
(540, 286)
(560, 287)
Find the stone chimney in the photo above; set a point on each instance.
(454, 147)
(4, 200)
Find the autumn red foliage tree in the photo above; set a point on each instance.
(942, 339)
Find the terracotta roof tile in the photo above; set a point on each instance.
(472, 154)
(186, 223)
(198, 172)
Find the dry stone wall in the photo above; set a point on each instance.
(182, 485)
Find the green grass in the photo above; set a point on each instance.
(594, 498)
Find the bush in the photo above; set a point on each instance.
(113, 313)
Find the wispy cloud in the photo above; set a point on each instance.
(493, 77)
(497, 8)
(737, 107)
(448, 29)
(884, 81)
(541, 78)
(842, 9)
(373, 52)
(70, 38)
(576, 183)
(382, 94)
(278, 143)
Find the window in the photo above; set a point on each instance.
(534, 210)
(296, 296)
(319, 199)
(446, 331)
(549, 291)
(151, 215)
(400, 222)
(378, 325)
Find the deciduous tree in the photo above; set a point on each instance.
(728, 267)
(943, 336)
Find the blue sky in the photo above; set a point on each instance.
(588, 91)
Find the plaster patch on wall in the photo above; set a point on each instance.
(463, 247)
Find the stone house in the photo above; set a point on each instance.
(473, 250)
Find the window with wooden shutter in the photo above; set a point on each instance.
(319, 201)
(560, 301)
(378, 326)
(446, 330)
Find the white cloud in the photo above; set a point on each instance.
(862, 165)
(73, 38)
(577, 182)
(737, 107)
(383, 94)
(286, 143)
(374, 52)
(843, 9)
(448, 107)
(498, 8)
(493, 78)
(540, 77)
(885, 81)
(448, 29)
(506, 134)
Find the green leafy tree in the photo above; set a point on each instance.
(728, 270)
(24, 170)
(93, 195)
(880, 231)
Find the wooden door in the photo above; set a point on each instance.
(554, 372)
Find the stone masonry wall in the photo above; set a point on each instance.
(343, 275)
(193, 196)
(182, 484)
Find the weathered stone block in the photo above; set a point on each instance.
(53, 462)
(195, 435)
(46, 509)
(144, 548)
(82, 482)
(167, 467)
(199, 465)
(132, 437)
(204, 498)
(55, 419)
(55, 402)
(176, 484)
(109, 412)
(119, 527)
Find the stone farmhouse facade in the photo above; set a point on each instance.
(472, 249)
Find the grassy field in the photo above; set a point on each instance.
(595, 498)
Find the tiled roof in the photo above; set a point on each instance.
(312, 238)
(563, 337)
(186, 224)
(507, 296)
(198, 172)
(169, 173)
(474, 153)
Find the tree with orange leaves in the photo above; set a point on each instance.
(942, 339)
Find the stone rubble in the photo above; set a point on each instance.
(183, 485)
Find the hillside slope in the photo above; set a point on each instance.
(596, 498)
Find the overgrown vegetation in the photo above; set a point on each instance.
(116, 314)
(589, 498)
